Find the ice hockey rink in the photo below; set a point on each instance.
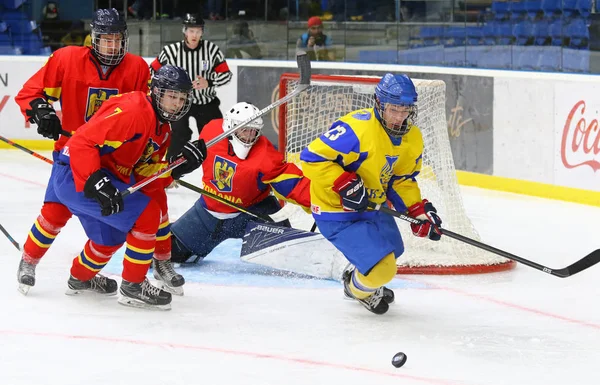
(241, 324)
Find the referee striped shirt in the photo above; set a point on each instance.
(206, 60)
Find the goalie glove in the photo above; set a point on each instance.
(352, 191)
(101, 189)
(43, 114)
(426, 212)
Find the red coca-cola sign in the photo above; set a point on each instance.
(580, 142)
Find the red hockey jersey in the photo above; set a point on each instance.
(75, 77)
(248, 181)
(124, 137)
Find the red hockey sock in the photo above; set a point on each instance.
(141, 241)
(91, 260)
(163, 240)
(53, 217)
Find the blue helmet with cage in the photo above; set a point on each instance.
(109, 36)
(396, 90)
(171, 92)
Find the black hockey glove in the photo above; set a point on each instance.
(43, 114)
(194, 154)
(101, 189)
(352, 191)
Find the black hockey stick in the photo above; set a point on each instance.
(305, 72)
(11, 239)
(279, 216)
(588, 261)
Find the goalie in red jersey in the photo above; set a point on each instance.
(103, 158)
(243, 170)
(82, 78)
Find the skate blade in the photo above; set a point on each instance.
(74, 292)
(131, 302)
(171, 289)
(24, 289)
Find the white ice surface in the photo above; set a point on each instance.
(239, 324)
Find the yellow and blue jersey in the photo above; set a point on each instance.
(358, 143)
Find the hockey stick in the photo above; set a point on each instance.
(588, 261)
(279, 216)
(17, 145)
(11, 239)
(305, 72)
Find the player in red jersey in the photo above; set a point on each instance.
(243, 170)
(101, 159)
(81, 78)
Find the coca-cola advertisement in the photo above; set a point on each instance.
(577, 136)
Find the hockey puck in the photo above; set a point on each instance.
(399, 359)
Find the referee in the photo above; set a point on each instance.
(206, 66)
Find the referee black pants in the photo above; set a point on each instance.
(181, 131)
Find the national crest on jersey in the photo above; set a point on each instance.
(97, 96)
(151, 148)
(362, 115)
(387, 171)
(223, 171)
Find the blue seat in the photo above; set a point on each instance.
(5, 39)
(501, 9)
(504, 33)
(13, 4)
(455, 36)
(10, 50)
(550, 7)
(31, 43)
(431, 35)
(556, 32)
(517, 10)
(541, 32)
(489, 34)
(569, 7)
(578, 34)
(584, 7)
(523, 32)
(533, 7)
(474, 35)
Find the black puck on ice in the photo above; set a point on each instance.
(399, 359)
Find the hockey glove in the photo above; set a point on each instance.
(352, 191)
(101, 189)
(426, 212)
(43, 114)
(194, 154)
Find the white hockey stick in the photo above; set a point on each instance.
(305, 72)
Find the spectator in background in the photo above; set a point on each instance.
(50, 11)
(215, 9)
(242, 44)
(317, 45)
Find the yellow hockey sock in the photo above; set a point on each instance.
(361, 286)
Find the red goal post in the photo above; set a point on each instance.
(331, 96)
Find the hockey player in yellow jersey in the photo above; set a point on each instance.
(374, 155)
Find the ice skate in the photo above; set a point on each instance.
(144, 295)
(25, 276)
(375, 303)
(99, 284)
(169, 279)
(388, 294)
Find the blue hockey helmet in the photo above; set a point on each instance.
(171, 92)
(397, 95)
(109, 36)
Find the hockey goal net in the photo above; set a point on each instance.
(311, 113)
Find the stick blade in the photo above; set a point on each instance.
(586, 262)
(304, 67)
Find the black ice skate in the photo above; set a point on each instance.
(144, 295)
(169, 279)
(99, 284)
(388, 294)
(25, 276)
(375, 303)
